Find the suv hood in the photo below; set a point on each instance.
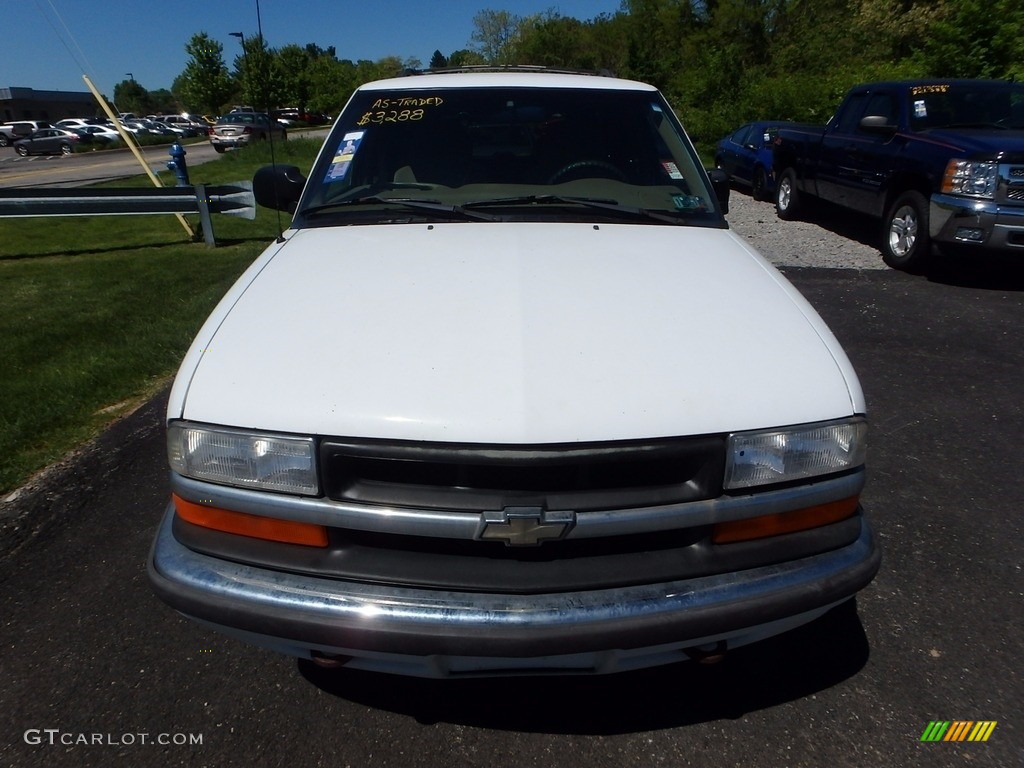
(513, 333)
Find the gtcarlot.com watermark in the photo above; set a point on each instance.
(55, 737)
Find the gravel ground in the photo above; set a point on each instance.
(829, 239)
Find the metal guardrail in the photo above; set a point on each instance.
(235, 199)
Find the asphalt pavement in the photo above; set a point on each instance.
(98, 672)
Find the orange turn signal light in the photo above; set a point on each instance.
(256, 526)
(784, 522)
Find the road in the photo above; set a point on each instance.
(84, 168)
(88, 167)
(89, 654)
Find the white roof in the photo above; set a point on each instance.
(509, 79)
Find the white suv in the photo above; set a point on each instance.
(509, 395)
(20, 129)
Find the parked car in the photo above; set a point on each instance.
(289, 117)
(237, 129)
(100, 133)
(293, 116)
(510, 396)
(146, 126)
(19, 129)
(746, 155)
(189, 128)
(79, 122)
(50, 141)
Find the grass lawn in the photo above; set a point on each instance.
(96, 313)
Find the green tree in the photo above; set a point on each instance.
(438, 60)
(205, 84)
(331, 84)
(659, 40)
(258, 77)
(495, 34)
(292, 64)
(164, 102)
(975, 38)
(129, 96)
(465, 58)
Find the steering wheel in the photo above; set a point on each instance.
(609, 170)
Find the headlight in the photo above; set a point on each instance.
(245, 459)
(972, 178)
(794, 453)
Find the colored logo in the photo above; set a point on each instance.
(958, 730)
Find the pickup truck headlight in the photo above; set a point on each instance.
(766, 457)
(971, 178)
(245, 459)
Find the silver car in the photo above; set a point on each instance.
(49, 141)
(239, 128)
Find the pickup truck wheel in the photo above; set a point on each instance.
(905, 241)
(787, 198)
(4, 141)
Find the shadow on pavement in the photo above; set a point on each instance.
(986, 271)
(792, 666)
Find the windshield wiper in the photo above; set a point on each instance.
(434, 206)
(605, 204)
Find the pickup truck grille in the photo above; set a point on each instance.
(578, 477)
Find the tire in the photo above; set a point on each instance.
(758, 184)
(66, 149)
(906, 244)
(218, 149)
(787, 197)
(22, 150)
(4, 141)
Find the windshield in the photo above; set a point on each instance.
(489, 153)
(967, 105)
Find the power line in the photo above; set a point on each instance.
(80, 58)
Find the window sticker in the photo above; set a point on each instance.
(343, 157)
(687, 202)
(920, 110)
(671, 169)
(920, 90)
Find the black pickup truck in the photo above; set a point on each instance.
(940, 162)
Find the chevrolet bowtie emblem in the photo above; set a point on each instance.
(525, 526)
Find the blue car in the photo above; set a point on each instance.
(746, 155)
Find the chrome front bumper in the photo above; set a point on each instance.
(437, 633)
(985, 224)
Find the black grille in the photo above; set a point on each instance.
(574, 476)
(1015, 192)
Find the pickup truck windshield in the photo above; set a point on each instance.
(508, 154)
(967, 105)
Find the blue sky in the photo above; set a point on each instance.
(49, 44)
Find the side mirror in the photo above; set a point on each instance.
(278, 187)
(877, 124)
(720, 184)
